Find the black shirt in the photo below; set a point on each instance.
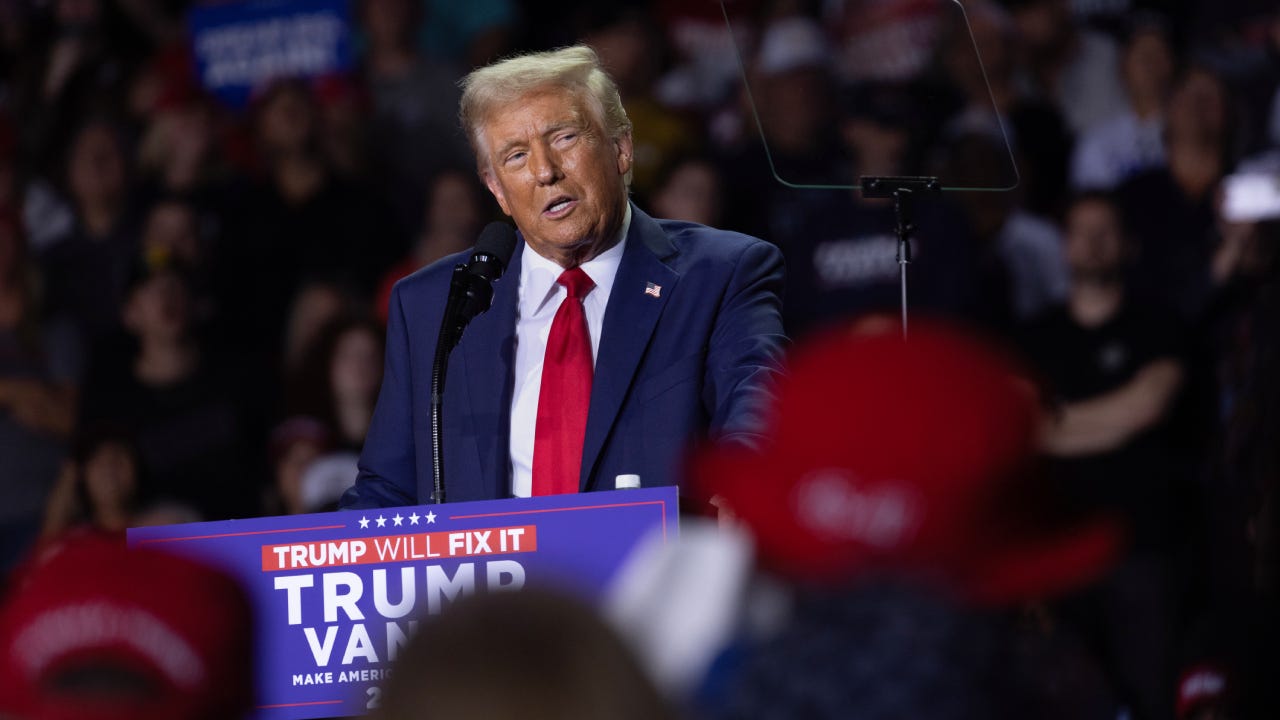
(1140, 479)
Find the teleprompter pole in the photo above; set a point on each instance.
(904, 191)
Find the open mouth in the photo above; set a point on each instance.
(559, 206)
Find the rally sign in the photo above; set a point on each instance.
(241, 45)
(337, 595)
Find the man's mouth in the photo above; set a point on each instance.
(559, 206)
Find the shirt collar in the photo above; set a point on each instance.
(538, 274)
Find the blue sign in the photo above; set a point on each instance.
(336, 595)
(242, 45)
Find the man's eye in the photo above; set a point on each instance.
(515, 157)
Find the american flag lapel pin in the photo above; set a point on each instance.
(652, 289)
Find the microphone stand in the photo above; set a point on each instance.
(461, 285)
(904, 191)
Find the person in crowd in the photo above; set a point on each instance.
(86, 266)
(1021, 268)
(189, 188)
(178, 145)
(993, 101)
(631, 51)
(790, 89)
(1257, 83)
(40, 372)
(559, 659)
(162, 80)
(100, 489)
(170, 233)
(690, 188)
(76, 66)
(303, 222)
(336, 385)
(1123, 344)
(1242, 332)
(346, 137)
(1133, 140)
(1171, 208)
(317, 304)
(91, 629)
(174, 230)
(1232, 640)
(415, 128)
(450, 221)
(1073, 66)
(1113, 368)
(183, 404)
(338, 382)
(656, 331)
(296, 444)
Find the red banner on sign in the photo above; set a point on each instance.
(400, 548)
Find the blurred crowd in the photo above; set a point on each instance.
(192, 298)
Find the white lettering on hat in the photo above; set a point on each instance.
(1201, 684)
(832, 502)
(856, 261)
(67, 629)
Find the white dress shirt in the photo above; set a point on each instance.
(539, 298)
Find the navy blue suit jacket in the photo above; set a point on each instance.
(691, 361)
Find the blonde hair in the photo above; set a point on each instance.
(576, 69)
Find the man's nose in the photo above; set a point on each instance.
(545, 165)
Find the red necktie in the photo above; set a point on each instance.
(566, 393)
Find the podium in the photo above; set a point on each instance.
(336, 595)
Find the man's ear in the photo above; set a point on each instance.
(626, 153)
(495, 189)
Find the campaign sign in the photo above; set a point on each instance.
(336, 595)
(243, 44)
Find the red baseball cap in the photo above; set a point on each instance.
(912, 458)
(92, 630)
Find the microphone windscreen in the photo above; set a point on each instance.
(499, 240)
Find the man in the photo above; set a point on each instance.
(657, 330)
(1115, 367)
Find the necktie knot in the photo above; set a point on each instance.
(576, 282)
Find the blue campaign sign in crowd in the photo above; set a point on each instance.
(240, 46)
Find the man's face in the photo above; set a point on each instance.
(159, 307)
(1148, 64)
(555, 171)
(1094, 241)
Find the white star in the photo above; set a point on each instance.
(382, 522)
(413, 519)
(398, 519)
(431, 518)
(364, 523)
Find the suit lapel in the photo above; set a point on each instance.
(489, 351)
(629, 322)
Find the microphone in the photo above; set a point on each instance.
(493, 250)
(471, 289)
